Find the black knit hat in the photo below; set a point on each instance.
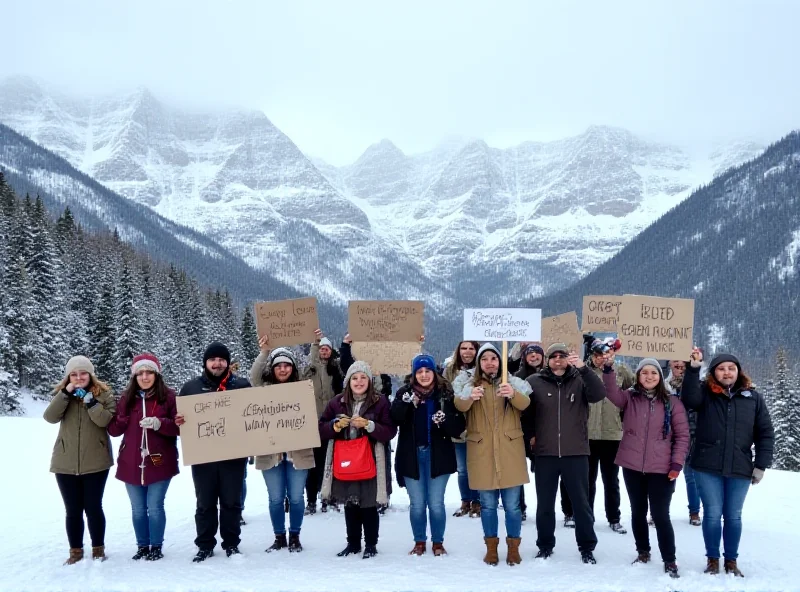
(722, 358)
(217, 350)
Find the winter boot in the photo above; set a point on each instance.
(588, 557)
(544, 554)
(644, 557)
(491, 557)
(231, 551)
(294, 542)
(463, 510)
(75, 555)
(99, 553)
(141, 553)
(369, 551)
(202, 555)
(280, 543)
(524, 515)
(475, 510)
(732, 569)
(569, 522)
(694, 519)
(513, 557)
(617, 527)
(419, 549)
(155, 553)
(242, 522)
(438, 550)
(324, 507)
(382, 509)
(712, 566)
(349, 550)
(311, 508)
(671, 569)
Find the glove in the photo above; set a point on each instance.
(411, 398)
(79, 393)
(89, 400)
(758, 475)
(151, 423)
(673, 475)
(438, 417)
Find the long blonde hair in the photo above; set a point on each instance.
(96, 386)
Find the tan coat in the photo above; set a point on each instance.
(495, 446)
(83, 445)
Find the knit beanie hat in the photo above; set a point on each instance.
(557, 348)
(722, 358)
(422, 361)
(79, 364)
(282, 355)
(217, 350)
(649, 362)
(487, 347)
(356, 367)
(533, 348)
(325, 342)
(145, 361)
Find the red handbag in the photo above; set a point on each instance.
(353, 460)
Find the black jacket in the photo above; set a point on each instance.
(559, 411)
(727, 429)
(202, 384)
(443, 452)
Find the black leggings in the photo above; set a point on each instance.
(356, 518)
(84, 494)
(655, 490)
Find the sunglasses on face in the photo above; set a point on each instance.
(559, 356)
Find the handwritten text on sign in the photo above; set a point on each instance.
(288, 322)
(503, 324)
(386, 320)
(562, 328)
(661, 328)
(248, 422)
(601, 313)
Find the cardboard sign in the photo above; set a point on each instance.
(248, 422)
(401, 320)
(387, 357)
(502, 324)
(652, 327)
(600, 314)
(288, 322)
(562, 328)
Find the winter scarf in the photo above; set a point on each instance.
(676, 382)
(651, 395)
(423, 392)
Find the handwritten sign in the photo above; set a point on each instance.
(387, 357)
(248, 422)
(600, 314)
(386, 320)
(288, 322)
(562, 328)
(661, 328)
(502, 324)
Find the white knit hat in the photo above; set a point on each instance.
(357, 367)
(325, 342)
(79, 364)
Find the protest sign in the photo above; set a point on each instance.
(387, 357)
(502, 324)
(287, 322)
(386, 320)
(562, 328)
(600, 314)
(652, 327)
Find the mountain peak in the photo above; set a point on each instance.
(385, 150)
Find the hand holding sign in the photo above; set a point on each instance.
(263, 343)
(575, 360)
(696, 359)
(505, 390)
(477, 393)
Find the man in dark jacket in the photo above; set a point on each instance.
(560, 398)
(219, 481)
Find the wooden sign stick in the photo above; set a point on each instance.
(505, 362)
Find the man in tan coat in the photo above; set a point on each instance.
(496, 460)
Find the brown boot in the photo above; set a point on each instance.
(419, 549)
(491, 550)
(463, 510)
(694, 519)
(475, 510)
(99, 553)
(513, 557)
(731, 568)
(75, 555)
(712, 566)
(438, 550)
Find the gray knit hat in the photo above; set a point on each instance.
(282, 355)
(487, 347)
(79, 364)
(558, 347)
(358, 366)
(325, 342)
(649, 362)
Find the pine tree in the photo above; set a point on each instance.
(103, 336)
(792, 432)
(248, 337)
(779, 403)
(127, 342)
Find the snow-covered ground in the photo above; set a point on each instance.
(34, 543)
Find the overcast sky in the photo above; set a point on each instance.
(337, 76)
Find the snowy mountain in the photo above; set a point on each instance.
(463, 224)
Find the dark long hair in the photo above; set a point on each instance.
(662, 392)
(458, 363)
(131, 392)
(269, 375)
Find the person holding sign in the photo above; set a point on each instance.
(284, 473)
(218, 481)
(83, 407)
(560, 399)
(495, 450)
(357, 425)
(463, 360)
(732, 418)
(424, 412)
(652, 452)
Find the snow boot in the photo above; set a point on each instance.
(513, 557)
(155, 553)
(569, 522)
(311, 508)
(231, 551)
(712, 566)
(588, 557)
(544, 554)
(141, 553)
(491, 557)
(463, 510)
(524, 515)
(99, 553)
(294, 542)
(644, 557)
(732, 569)
(280, 543)
(438, 550)
(671, 569)
(694, 519)
(382, 509)
(324, 508)
(419, 549)
(617, 527)
(475, 510)
(75, 555)
(202, 555)
(349, 550)
(369, 551)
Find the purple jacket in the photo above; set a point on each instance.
(644, 447)
(164, 441)
(375, 408)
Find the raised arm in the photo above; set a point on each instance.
(613, 392)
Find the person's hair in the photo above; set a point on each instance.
(662, 392)
(347, 394)
(271, 379)
(96, 386)
(479, 376)
(743, 382)
(131, 392)
(458, 363)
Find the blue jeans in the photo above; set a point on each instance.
(467, 494)
(427, 494)
(511, 508)
(691, 489)
(284, 480)
(147, 509)
(723, 497)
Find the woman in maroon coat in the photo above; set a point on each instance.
(148, 455)
(359, 412)
(655, 442)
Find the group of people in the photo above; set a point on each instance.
(572, 418)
